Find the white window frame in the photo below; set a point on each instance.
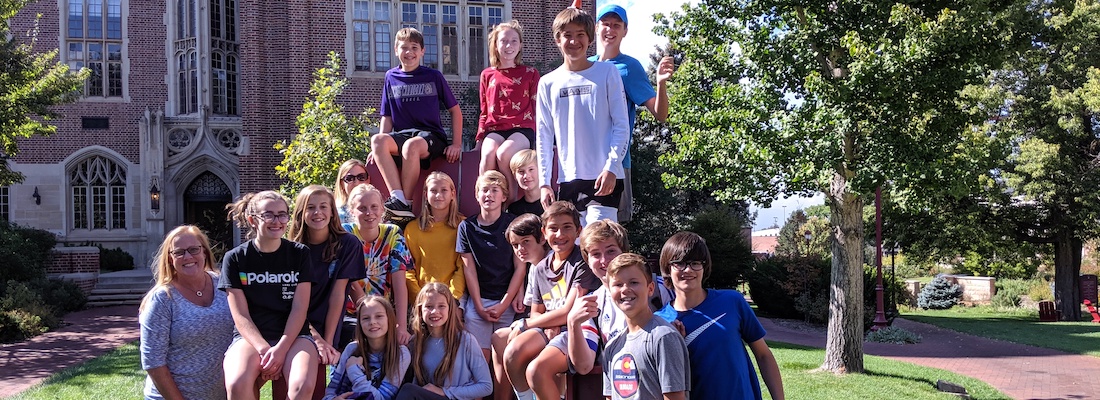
(101, 187)
(5, 204)
(76, 50)
(436, 52)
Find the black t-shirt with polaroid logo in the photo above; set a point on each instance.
(268, 281)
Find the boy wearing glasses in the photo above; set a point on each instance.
(715, 324)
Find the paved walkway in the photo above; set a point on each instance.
(84, 335)
(1022, 372)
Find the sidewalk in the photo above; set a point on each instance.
(84, 335)
(1020, 371)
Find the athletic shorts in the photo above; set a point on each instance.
(482, 329)
(436, 144)
(582, 193)
(526, 132)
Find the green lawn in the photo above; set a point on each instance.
(1015, 325)
(885, 378)
(118, 375)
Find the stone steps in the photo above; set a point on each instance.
(120, 288)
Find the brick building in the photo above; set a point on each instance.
(188, 97)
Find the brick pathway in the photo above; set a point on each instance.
(1022, 372)
(85, 335)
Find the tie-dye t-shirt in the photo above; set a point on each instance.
(388, 254)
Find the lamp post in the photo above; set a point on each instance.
(880, 313)
(807, 235)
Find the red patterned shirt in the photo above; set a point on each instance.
(507, 99)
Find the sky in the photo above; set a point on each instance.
(639, 42)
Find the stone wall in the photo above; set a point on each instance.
(976, 289)
(79, 265)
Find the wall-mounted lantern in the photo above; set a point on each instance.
(37, 197)
(154, 196)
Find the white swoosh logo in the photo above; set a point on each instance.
(699, 331)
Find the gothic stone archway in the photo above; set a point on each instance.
(204, 206)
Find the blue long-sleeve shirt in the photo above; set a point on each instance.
(353, 378)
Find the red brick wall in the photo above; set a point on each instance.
(146, 33)
(73, 260)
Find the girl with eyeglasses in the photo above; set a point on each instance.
(351, 173)
(268, 282)
(185, 324)
(716, 324)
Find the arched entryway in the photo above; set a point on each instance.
(204, 206)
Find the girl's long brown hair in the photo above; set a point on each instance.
(391, 354)
(298, 231)
(453, 331)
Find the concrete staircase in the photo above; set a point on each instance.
(121, 288)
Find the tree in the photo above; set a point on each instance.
(776, 97)
(1042, 187)
(30, 84)
(326, 137)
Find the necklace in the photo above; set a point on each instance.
(197, 292)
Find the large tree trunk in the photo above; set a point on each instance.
(844, 346)
(1067, 268)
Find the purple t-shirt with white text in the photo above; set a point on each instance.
(414, 99)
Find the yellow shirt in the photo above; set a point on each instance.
(434, 259)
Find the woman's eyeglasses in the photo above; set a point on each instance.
(352, 178)
(178, 253)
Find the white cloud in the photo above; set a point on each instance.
(640, 39)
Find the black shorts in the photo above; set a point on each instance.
(526, 132)
(582, 193)
(436, 144)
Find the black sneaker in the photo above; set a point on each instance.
(398, 213)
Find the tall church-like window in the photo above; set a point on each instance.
(223, 57)
(454, 32)
(186, 57)
(93, 40)
(98, 198)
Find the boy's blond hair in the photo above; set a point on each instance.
(409, 35)
(492, 178)
(522, 159)
(626, 261)
(494, 52)
(601, 230)
(574, 16)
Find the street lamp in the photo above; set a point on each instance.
(807, 235)
(880, 313)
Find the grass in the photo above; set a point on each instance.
(1015, 325)
(115, 375)
(883, 378)
(118, 375)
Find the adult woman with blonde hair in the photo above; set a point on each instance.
(186, 324)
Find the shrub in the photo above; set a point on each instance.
(65, 296)
(23, 313)
(1009, 292)
(893, 334)
(940, 294)
(25, 251)
(1040, 290)
(731, 255)
(114, 259)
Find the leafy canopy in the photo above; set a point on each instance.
(30, 84)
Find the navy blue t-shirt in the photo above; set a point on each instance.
(268, 281)
(493, 256)
(348, 264)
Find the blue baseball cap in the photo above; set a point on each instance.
(612, 9)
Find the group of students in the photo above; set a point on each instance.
(541, 287)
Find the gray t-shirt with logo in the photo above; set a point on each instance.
(646, 364)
